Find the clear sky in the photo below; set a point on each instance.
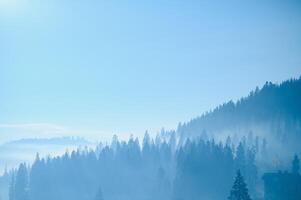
(102, 67)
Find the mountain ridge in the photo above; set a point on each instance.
(272, 104)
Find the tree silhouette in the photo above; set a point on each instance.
(21, 183)
(296, 165)
(239, 190)
(11, 193)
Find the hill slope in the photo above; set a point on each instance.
(274, 110)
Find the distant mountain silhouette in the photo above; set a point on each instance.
(49, 141)
(274, 106)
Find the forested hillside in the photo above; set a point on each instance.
(129, 171)
(190, 163)
(272, 111)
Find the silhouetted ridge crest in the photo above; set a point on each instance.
(273, 102)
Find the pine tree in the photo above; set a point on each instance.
(11, 193)
(296, 165)
(240, 159)
(239, 190)
(21, 183)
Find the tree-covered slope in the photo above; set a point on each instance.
(272, 104)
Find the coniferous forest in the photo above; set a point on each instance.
(150, 100)
(127, 170)
(189, 163)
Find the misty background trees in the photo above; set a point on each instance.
(128, 170)
(198, 160)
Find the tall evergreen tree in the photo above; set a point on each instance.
(21, 185)
(240, 159)
(296, 165)
(11, 192)
(239, 190)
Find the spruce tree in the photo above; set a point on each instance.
(239, 190)
(21, 183)
(296, 165)
(11, 193)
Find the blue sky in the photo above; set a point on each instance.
(97, 68)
